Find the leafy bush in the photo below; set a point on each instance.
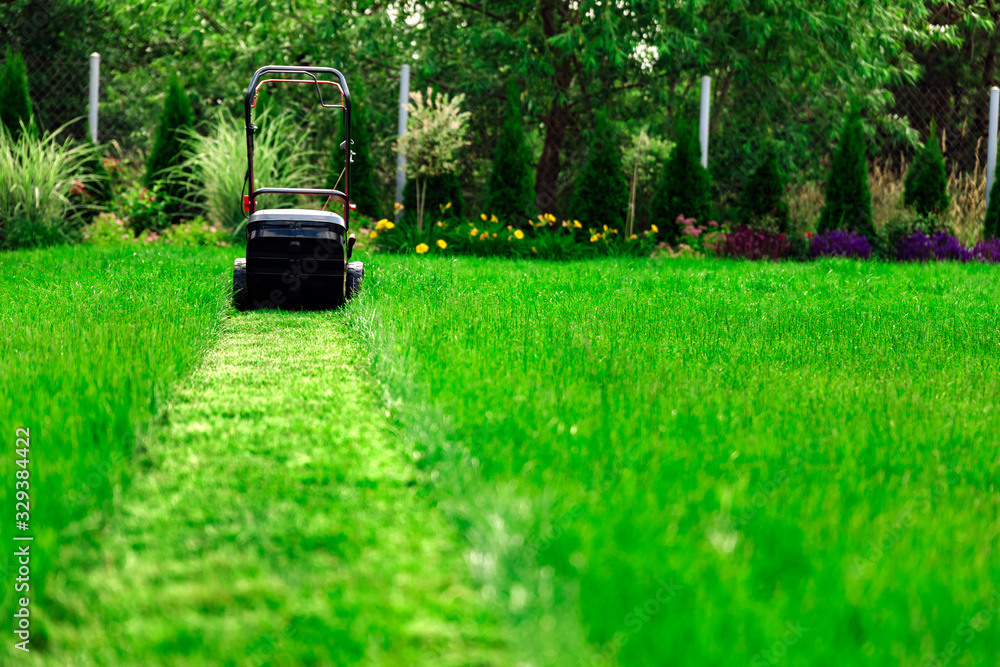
(685, 186)
(601, 193)
(941, 246)
(848, 199)
(15, 103)
(37, 179)
(197, 233)
(762, 200)
(510, 193)
(107, 229)
(841, 243)
(991, 225)
(435, 133)
(216, 163)
(903, 225)
(700, 238)
(167, 155)
(748, 243)
(926, 183)
(363, 191)
(142, 208)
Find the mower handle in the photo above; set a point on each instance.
(250, 101)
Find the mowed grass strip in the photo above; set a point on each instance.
(277, 522)
(710, 463)
(89, 341)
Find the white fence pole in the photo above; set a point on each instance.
(991, 144)
(706, 85)
(404, 99)
(95, 78)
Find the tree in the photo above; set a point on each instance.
(762, 199)
(363, 190)
(165, 161)
(641, 158)
(926, 183)
(848, 199)
(510, 194)
(434, 134)
(685, 186)
(601, 193)
(15, 103)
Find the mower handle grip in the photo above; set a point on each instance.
(320, 192)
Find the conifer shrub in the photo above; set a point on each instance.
(15, 102)
(762, 200)
(165, 162)
(601, 193)
(926, 183)
(685, 186)
(510, 195)
(848, 199)
(364, 193)
(991, 226)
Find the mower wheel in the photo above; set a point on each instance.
(240, 297)
(355, 274)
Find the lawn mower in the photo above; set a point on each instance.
(297, 258)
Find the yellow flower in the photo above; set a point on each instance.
(605, 228)
(440, 223)
(447, 206)
(494, 234)
(509, 228)
(493, 218)
(549, 217)
(633, 237)
(442, 244)
(614, 231)
(594, 237)
(382, 224)
(397, 206)
(373, 235)
(484, 236)
(656, 230)
(533, 250)
(483, 216)
(473, 232)
(422, 248)
(389, 225)
(576, 224)
(518, 234)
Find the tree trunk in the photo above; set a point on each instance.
(556, 120)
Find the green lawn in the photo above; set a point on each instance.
(708, 462)
(493, 462)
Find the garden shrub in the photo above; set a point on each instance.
(167, 155)
(510, 194)
(903, 225)
(107, 229)
(991, 226)
(363, 191)
(762, 200)
(848, 200)
(745, 242)
(840, 243)
(38, 178)
(101, 188)
(601, 193)
(15, 102)
(701, 238)
(143, 208)
(685, 186)
(926, 182)
(941, 246)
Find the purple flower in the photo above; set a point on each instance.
(940, 246)
(748, 243)
(840, 243)
(987, 251)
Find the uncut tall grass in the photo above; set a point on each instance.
(676, 462)
(91, 338)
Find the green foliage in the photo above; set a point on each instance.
(15, 103)
(926, 183)
(848, 202)
(107, 229)
(685, 186)
(101, 185)
(601, 193)
(215, 163)
(363, 190)
(991, 225)
(904, 224)
(762, 200)
(37, 180)
(510, 195)
(442, 190)
(143, 209)
(167, 155)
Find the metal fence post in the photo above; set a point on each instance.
(706, 85)
(95, 77)
(991, 144)
(404, 99)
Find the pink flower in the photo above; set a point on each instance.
(713, 223)
(212, 229)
